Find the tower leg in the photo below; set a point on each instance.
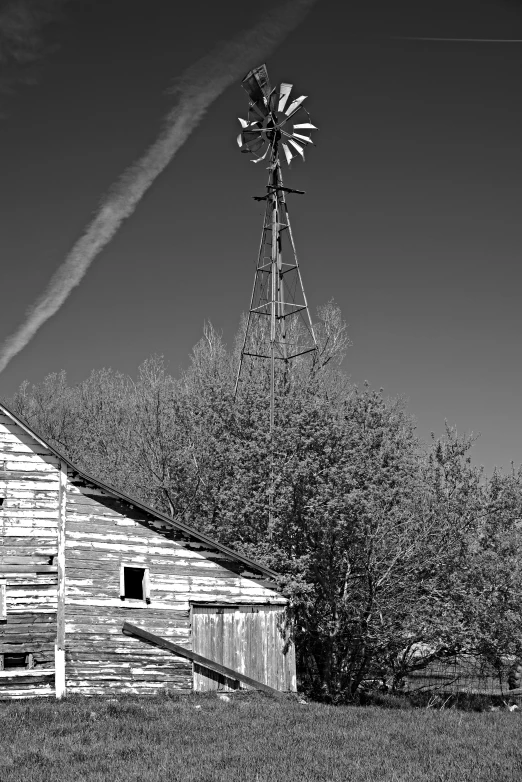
(277, 296)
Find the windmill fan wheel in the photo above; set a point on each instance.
(270, 122)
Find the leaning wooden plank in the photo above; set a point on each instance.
(129, 629)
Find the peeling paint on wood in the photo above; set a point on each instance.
(62, 545)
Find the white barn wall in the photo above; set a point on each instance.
(101, 532)
(29, 486)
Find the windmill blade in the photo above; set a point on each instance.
(273, 100)
(254, 144)
(251, 134)
(295, 105)
(259, 159)
(287, 152)
(297, 146)
(252, 138)
(249, 124)
(306, 139)
(284, 94)
(305, 126)
(260, 109)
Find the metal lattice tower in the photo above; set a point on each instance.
(279, 327)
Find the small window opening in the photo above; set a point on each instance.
(134, 583)
(17, 660)
(2, 501)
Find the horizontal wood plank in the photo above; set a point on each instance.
(27, 568)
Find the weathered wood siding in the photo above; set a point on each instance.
(103, 533)
(29, 488)
(253, 640)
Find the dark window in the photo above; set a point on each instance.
(134, 583)
(2, 501)
(17, 661)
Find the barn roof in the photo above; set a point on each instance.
(180, 525)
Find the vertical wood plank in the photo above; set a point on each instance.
(255, 644)
(278, 649)
(266, 658)
(122, 581)
(272, 657)
(291, 678)
(200, 646)
(216, 638)
(211, 679)
(193, 636)
(254, 641)
(270, 670)
(247, 630)
(242, 642)
(231, 644)
(226, 649)
(278, 642)
(146, 584)
(60, 685)
(3, 609)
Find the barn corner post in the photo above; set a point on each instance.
(59, 649)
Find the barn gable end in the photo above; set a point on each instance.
(104, 535)
(79, 559)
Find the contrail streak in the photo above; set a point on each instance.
(459, 40)
(197, 88)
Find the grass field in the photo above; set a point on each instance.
(251, 739)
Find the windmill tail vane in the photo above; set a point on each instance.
(279, 328)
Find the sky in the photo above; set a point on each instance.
(411, 218)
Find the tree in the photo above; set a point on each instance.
(383, 547)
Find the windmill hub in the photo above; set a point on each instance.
(271, 131)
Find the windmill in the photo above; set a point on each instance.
(279, 327)
(284, 329)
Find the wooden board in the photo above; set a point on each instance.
(251, 639)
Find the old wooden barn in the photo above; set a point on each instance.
(78, 560)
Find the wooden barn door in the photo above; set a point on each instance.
(249, 639)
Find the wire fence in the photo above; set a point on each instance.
(467, 674)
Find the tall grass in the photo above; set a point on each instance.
(251, 739)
